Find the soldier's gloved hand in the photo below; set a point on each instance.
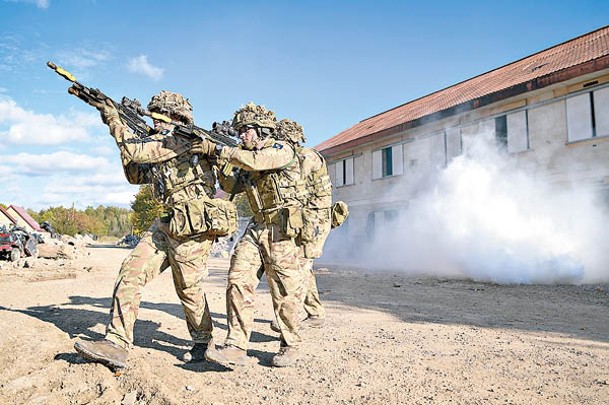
(107, 110)
(203, 147)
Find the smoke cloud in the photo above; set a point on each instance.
(487, 219)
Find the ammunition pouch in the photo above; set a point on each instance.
(340, 212)
(215, 217)
(288, 220)
(313, 223)
(291, 221)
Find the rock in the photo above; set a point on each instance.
(130, 398)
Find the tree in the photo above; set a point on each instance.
(101, 221)
(146, 208)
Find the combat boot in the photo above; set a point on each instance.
(103, 351)
(229, 356)
(197, 352)
(313, 322)
(286, 357)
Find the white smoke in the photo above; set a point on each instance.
(489, 220)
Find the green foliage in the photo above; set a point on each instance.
(146, 209)
(100, 221)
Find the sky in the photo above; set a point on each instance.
(326, 64)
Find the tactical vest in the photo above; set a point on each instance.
(182, 178)
(318, 184)
(270, 191)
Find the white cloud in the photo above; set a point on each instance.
(141, 65)
(61, 191)
(46, 164)
(28, 128)
(63, 178)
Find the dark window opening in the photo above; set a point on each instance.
(593, 117)
(387, 162)
(501, 132)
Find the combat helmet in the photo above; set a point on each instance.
(172, 103)
(290, 131)
(255, 115)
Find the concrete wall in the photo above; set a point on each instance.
(428, 148)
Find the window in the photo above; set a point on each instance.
(517, 132)
(343, 172)
(501, 132)
(601, 111)
(588, 115)
(511, 132)
(454, 145)
(387, 162)
(378, 221)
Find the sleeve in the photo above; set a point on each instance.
(154, 149)
(137, 173)
(231, 179)
(276, 156)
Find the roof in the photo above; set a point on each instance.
(585, 54)
(5, 212)
(27, 218)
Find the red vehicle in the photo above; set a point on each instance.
(11, 247)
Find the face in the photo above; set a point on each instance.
(249, 137)
(160, 126)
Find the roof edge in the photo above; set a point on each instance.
(591, 66)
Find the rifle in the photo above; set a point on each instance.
(127, 113)
(131, 113)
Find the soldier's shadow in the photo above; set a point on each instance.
(80, 323)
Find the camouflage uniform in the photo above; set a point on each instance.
(176, 176)
(271, 178)
(316, 223)
(317, 203)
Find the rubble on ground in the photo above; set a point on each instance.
(65, 247)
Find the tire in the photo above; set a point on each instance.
(15, 255)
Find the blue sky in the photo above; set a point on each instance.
(325, 64)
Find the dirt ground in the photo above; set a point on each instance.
(390, 339)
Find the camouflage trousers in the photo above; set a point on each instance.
(317, 228)
(263, 245)
(312, 303)
(156, 252)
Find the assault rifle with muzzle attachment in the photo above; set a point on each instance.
(89, 95)
(131, 114)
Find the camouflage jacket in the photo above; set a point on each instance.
(315, 173)
(164, 161)
(270, 176)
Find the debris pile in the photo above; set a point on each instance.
(65, 247)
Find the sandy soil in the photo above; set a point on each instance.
(390, 339)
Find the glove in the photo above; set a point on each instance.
(107, 110)
(203, 147)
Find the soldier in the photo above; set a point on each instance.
(269, 173)
(317, 217)
(178, 178)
